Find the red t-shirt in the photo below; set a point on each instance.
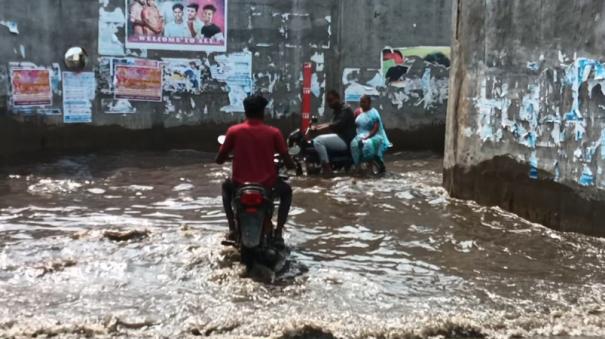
(253, 145)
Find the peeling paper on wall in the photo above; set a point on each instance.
(236, 71)
(182, 75)
(355, 89)
(110, 23)
(531, 120)
(4, 79)
(117, 106)
(11, 25)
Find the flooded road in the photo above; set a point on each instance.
(388, 258)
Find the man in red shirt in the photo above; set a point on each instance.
(253, 144)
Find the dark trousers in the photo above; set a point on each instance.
(282, 190)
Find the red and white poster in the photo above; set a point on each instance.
(177, 25)
(138, 82)
(31, 87)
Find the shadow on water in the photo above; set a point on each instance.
(129, 244)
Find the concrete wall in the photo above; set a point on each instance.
(279, 35)
(525, 127)
(419, 105)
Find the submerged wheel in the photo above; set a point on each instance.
(246, 256)
(312, 169)
(376, 168)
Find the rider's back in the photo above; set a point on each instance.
(254, 144)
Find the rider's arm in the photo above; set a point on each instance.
(226, 149)
(322, 129)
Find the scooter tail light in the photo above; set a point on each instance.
(251, 199)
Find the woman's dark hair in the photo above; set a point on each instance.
(255, 106)
(333, 93)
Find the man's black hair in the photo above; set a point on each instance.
(194, 6)
(254, 106)
(333, 93)
(369, 98)
(209, 8)
(179, 6)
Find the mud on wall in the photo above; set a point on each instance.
(267, 43)
(525, 122)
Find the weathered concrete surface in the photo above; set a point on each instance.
(367, 27)
(524, 125)
(280, 35)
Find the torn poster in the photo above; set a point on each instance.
(177, 25)
(31, 87)
(396, 62)
(140, 80)
(182, 75)
(78, 95)
(110, 23)
(11, 25)
(236, 71)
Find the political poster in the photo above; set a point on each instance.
(31, 87)
(177, 25)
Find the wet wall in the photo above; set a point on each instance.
(525, 127)
(266, 46)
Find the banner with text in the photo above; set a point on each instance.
(181, 25)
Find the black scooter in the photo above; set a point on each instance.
(253, 206)
(307, 159)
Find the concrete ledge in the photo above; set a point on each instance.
(35, 139)
(505, 182)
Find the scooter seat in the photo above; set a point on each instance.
(340, 154)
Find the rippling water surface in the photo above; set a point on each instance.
(388, 258)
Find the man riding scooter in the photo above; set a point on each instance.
(254, 144)
(335, 136)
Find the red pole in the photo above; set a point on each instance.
(306, 97)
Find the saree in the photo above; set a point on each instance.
(363, 149)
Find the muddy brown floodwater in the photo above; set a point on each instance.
(128, 245)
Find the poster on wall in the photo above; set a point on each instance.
(177, 25)
(31, 87)
(396, 62)
(78, 95)
(139, 80)
(182, 75)
(111, 22)
(236, 71)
